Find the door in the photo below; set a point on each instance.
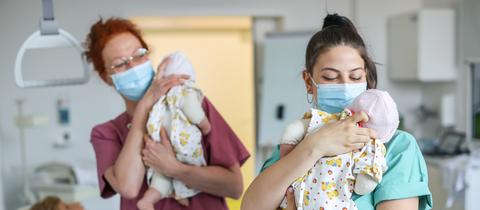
(283, 95)
(221, 51)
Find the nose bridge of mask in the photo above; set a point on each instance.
(333, 90)
(135, 81)
(132, 75)
(329, 91)
(333, 98)
(355, 89)
(344, 90)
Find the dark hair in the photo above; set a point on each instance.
(103, 31)
(339, 30)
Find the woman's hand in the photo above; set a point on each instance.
(161, 85)
(341, 137)
(268, 188)
(160, 155)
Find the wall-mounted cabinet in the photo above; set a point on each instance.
(421, 46)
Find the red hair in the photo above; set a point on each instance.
(100, 33)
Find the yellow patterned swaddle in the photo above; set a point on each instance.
(330, 182)
(185, 137)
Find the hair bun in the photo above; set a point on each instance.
(338, 21)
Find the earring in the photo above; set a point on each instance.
(309, 98)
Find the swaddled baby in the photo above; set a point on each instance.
(329, 184)
(180, 113)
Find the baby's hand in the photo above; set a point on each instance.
(184, 202)
(205, 126)
(364, 184)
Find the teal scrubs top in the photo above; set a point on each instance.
(406, 176)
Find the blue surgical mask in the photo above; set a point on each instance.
(333, 98)
(134, 82)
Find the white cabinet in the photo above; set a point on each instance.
(421, 46)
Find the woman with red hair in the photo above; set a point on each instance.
(120, 56)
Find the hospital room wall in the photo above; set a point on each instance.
(467, 48)
(96, 102)
(470, 49)
(2, 202)
(410, 95)
(372, 21)
(21, 19)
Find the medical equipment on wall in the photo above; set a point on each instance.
(63, 119)
(447, 110)
(54, 173)
(22, 123)
(49, 36)
(63, 111)
(68, 182)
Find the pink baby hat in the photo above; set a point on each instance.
(179, 64)
(381, 110)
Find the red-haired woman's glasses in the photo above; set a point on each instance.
(121, 63)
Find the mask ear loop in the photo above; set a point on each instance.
(313, 81)
(310, 101)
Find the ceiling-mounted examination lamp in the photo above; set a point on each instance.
(49, 36)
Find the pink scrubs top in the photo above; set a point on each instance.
(222, 148)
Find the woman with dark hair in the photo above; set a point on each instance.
(336, 62)
(123, 149)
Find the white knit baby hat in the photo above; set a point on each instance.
(179, 64)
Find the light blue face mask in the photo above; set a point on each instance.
(333, 98)
(134, 82)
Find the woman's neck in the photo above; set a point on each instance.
(130, 105)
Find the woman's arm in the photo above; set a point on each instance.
(111, 179)
(400, 204)
(268, 189)
(129, 170)
(285, 149)
(407, 176)
(215, 180)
